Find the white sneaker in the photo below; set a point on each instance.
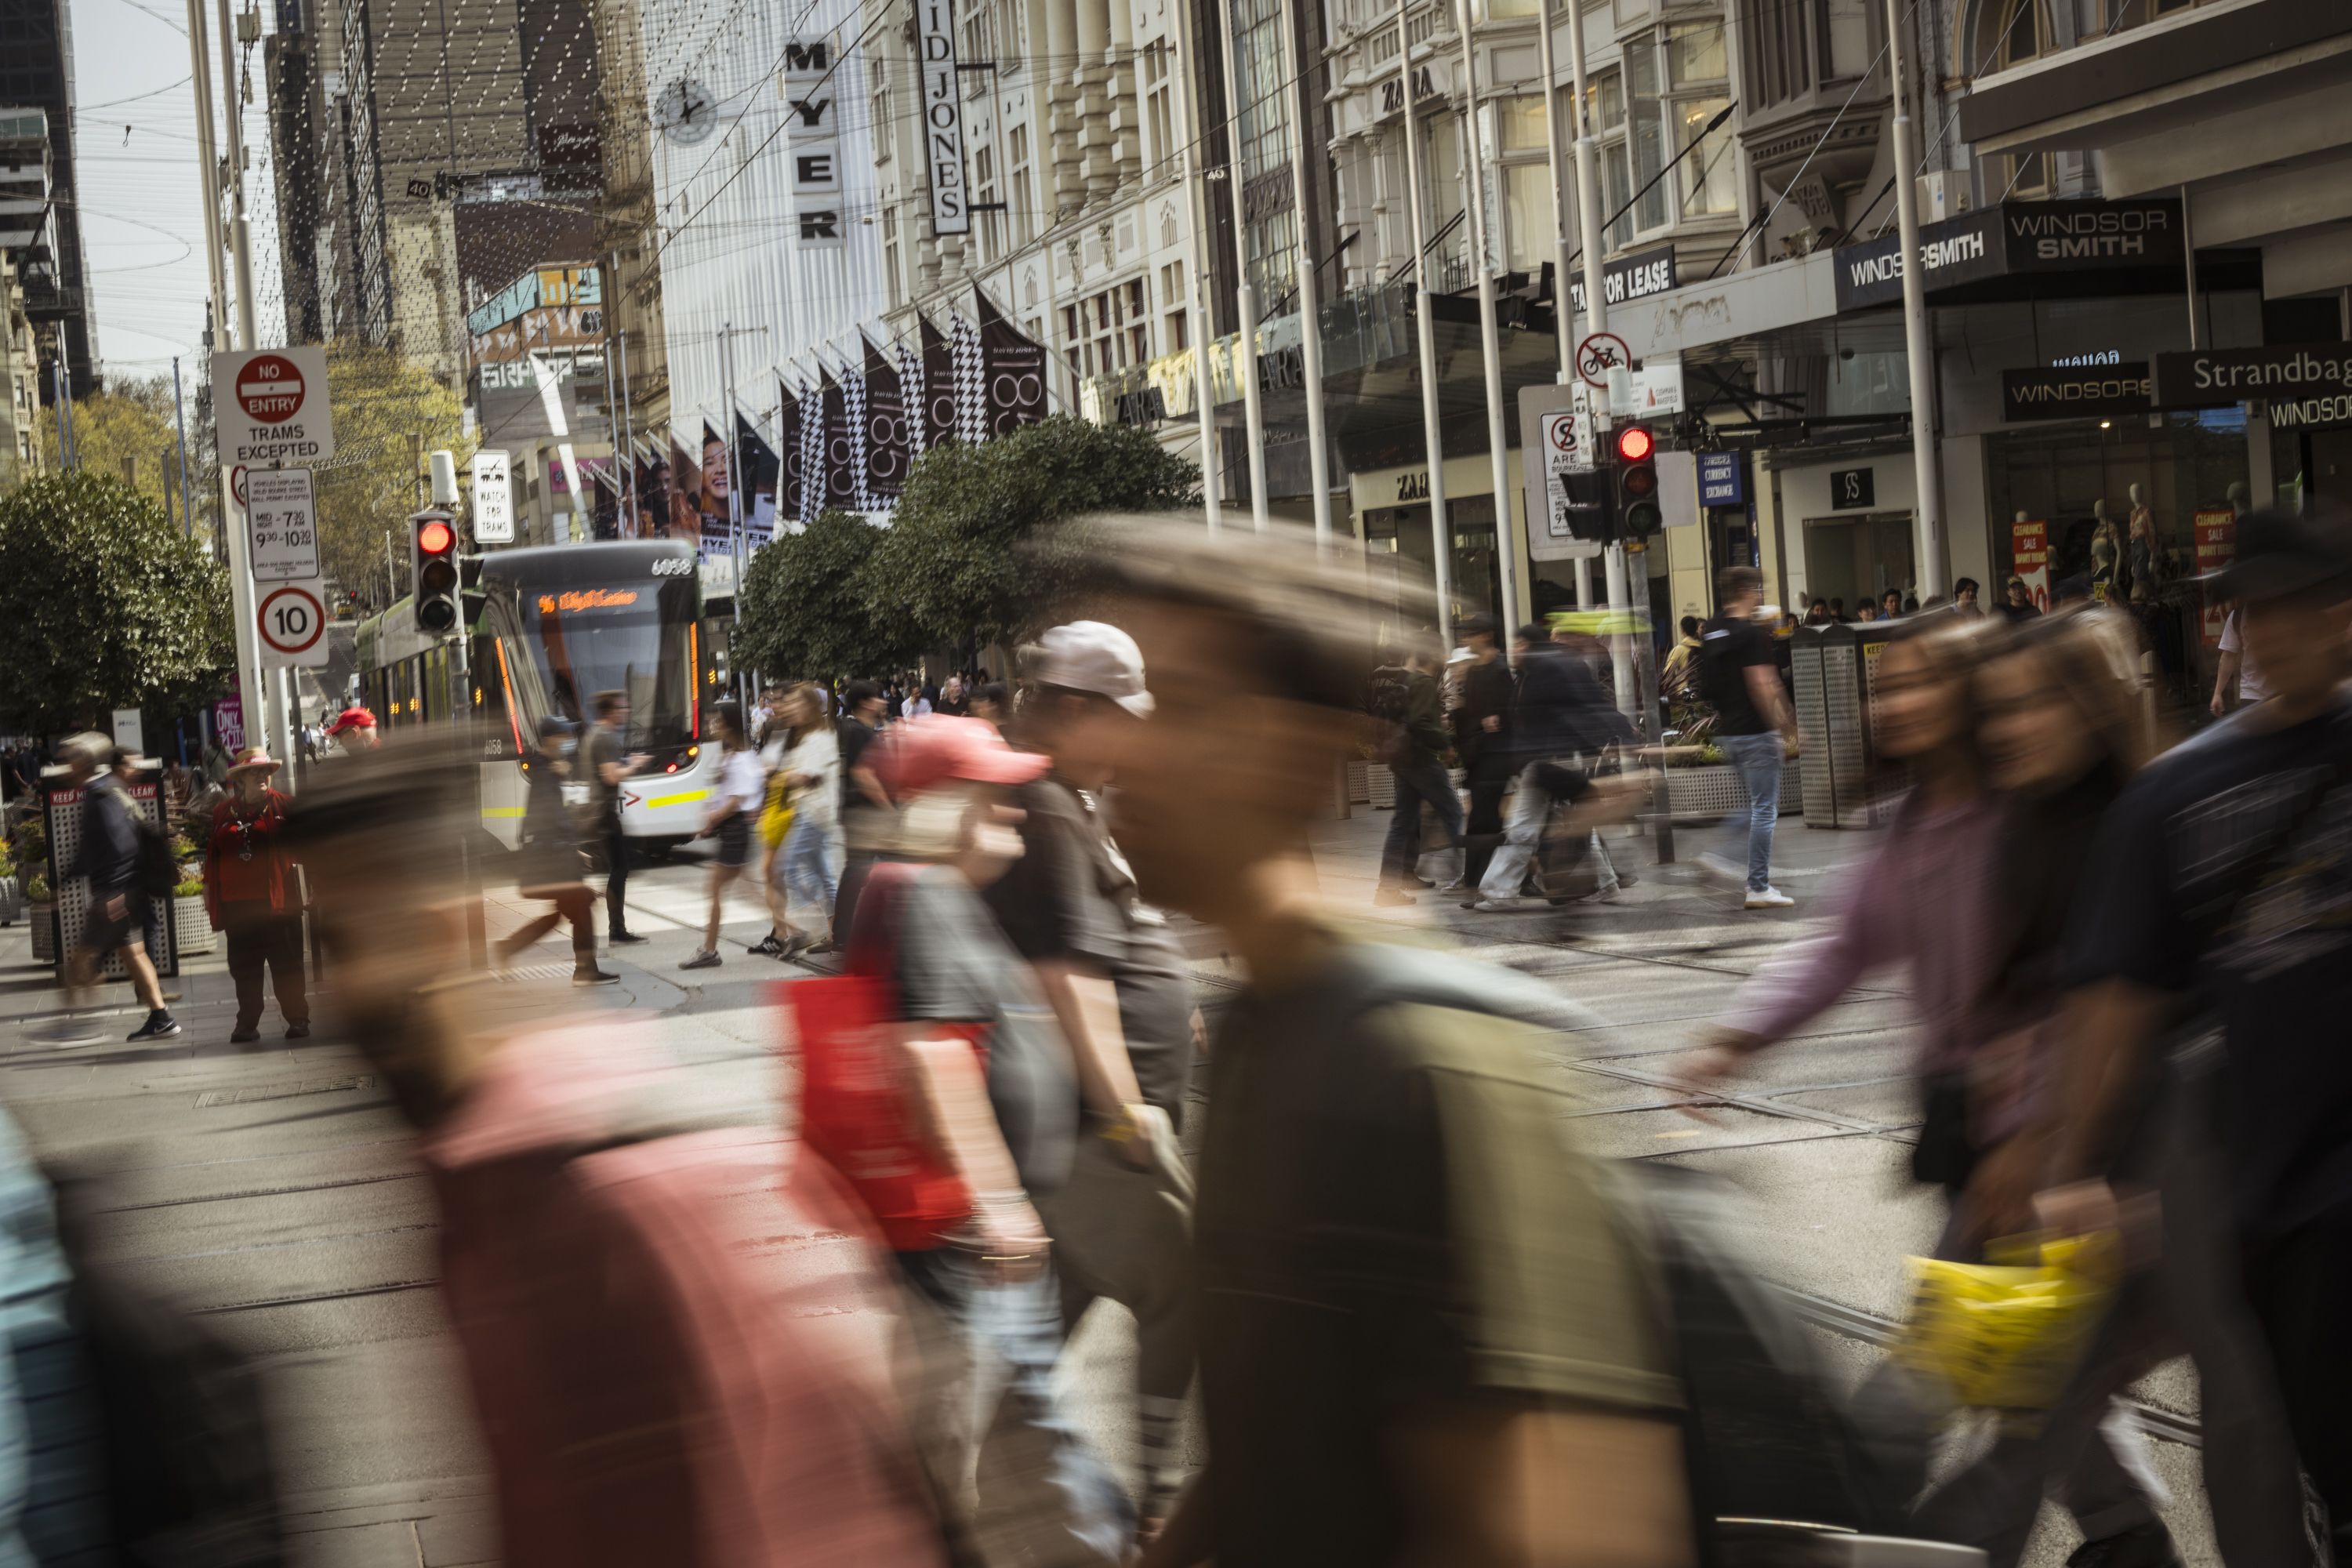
(1769, 899)
(1495, 906)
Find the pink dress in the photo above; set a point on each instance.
(681, 1348)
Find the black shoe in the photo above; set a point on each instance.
(2148, 1545)
(240, 1036)
(1419, 881)
(592, 975)
(297, 1031)
(769, 946)
(626, 939)
(159, 1026)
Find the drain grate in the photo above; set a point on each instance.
(283, 1091)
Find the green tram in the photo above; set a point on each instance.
(549, 629)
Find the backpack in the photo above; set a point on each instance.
(1389, 701)
(1764, 1436)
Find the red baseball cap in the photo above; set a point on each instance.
(916, 754)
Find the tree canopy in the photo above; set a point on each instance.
(104, 604)
(953, 562)
(378, 399)
(135, 424)
(804, 609)
(846, 597)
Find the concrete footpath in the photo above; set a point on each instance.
(269, 1186)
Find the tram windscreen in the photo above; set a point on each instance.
(559, 647)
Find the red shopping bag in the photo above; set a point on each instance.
(856, 1104)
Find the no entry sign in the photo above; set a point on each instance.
(270, 405)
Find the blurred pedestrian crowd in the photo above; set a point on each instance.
(1413, 1321)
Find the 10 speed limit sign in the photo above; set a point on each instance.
(291, 625)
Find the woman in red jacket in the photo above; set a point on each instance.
(252, 895)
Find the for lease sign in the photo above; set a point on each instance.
(270, 406)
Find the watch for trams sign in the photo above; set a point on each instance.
(270, 405)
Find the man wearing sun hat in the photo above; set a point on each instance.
(253, 895)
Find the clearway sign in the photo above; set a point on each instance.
(270, 407)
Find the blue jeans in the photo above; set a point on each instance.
(1040, 1484)
(1757, 758)
(808, 869)
(1414, 785)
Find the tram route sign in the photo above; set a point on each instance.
(282, 520)
(290, 624)
(269, 405)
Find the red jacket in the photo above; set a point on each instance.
(267, 875)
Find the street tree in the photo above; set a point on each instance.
(130, 430)
(958, 563)
(379, 399)
(807, 614)
(104, 604)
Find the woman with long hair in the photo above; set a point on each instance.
(2015, 748)
(735, 804)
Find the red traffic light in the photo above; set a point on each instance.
(1634, 444)
(435, 537)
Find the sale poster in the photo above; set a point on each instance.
(2217, 546)
(2028, 554)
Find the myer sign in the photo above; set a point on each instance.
(2012, 238)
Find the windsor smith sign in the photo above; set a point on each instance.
(2013, 238)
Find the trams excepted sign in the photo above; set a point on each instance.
(292, 624)
(270, 406)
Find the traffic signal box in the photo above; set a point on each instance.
(1619, 500)
(433, 570)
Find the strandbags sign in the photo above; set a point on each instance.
(2012, 238)
(270, 406)
(942, 116)
(2210, 378)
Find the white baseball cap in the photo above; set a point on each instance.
(1092, 656)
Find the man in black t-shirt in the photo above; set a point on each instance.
(1119, 982)
(606, 752)
(1740, 677)
(2222, 881)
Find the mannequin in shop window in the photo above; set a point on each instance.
(2143, 545)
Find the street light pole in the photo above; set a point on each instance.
(1490, 337)
(240, 232)
(1433, 435)
(1205, 328)
(1918, 346)
(1245, 296)
(1299, 101)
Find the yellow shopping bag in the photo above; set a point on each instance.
(776, 818)
(2007, 1334)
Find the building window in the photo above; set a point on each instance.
(1107, 331)
(983, 180)
(1016, 147)
(1266, 146)
(1708, 178)
(1156, 115)
(890, 254)
(2016, 32)
(1172, 303)
(1845, 39)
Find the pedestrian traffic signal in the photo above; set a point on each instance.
(1638, 515)
(433, 570)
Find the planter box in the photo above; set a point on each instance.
(1709, 792)
(192, 928)
(1383, 786)
(12, 900)
(1360, 784)
(44, 933)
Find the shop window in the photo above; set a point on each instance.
(1532, 230)
(1519, 124)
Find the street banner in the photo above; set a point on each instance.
(788, 445)
(270, 406)
(1015, 369)
(970, 374)
(755, 470)
(853, 403)
(840, 445)
(685, 493)
(651, 507)
(812, 451)
(939, 386)
(887, 453)
(718, 528)
(910, 397)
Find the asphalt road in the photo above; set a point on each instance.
(270, 1187)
